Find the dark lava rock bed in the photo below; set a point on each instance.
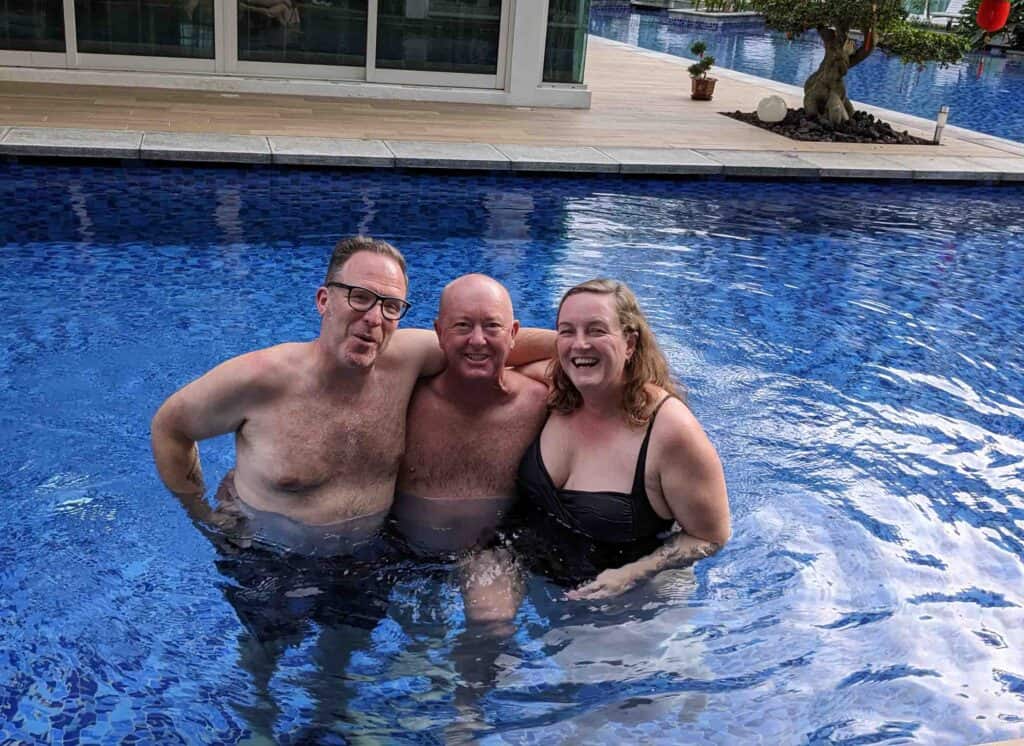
(861, 127)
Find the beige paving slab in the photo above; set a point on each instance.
(1002, 145)
(415, 154)
(581, 159)
(326, 151)
(70, 142)
(760, 163)
(1009, 169)
(661, 161)
(857, 166)
(206, 147)
(949, 167)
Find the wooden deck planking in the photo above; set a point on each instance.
(637, 101)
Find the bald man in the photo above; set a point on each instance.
(466, 430)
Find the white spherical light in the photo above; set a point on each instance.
(772, 109)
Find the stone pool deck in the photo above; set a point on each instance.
(642, 121)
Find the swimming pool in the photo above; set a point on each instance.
(857, 362)
(984, 93)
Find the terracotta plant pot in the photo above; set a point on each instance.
(703, 88)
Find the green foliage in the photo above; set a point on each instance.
(699, 69)
(798, 16)
(917, 46)
(705, 61)
(884, 20)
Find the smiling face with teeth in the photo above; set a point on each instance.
(592, 347)
(476, 327)
(359, 337)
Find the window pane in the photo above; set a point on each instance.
(160, 28)
(452, 36)
(321, 32)
(566, 47)
(32, 25)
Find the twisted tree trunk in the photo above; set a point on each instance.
(825, 90)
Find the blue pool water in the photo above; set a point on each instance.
(853, 350)
(985, 94)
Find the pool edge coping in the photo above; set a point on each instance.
(194, 149)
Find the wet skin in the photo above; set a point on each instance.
(319, 426)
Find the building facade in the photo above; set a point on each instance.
(511, 52)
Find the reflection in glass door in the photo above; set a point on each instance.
(318, 32)
(32, 25)
(153, 28)
(443, 36)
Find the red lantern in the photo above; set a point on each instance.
(993, 14)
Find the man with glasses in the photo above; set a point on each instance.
(319, 426)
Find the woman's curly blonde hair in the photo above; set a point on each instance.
(647, 365)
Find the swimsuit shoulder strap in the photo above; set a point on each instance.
(639, 488)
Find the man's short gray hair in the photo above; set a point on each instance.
(347, 247)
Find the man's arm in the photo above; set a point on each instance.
(532, 344)
(537, 371)
(693, 484)
(421, 348)
(211, 405)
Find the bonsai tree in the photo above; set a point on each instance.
(882, 23)
(699, 69)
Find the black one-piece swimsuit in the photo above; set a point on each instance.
(592, 531)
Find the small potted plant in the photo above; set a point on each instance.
(703, 87)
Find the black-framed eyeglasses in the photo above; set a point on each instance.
(363, 299)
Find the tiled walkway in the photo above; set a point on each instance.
(641, 120)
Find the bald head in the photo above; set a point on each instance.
(476, 328)
(475, 291)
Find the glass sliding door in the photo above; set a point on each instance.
(439, 36)
(153, 28)
(565, 49)
(317, 32)
(32, 25)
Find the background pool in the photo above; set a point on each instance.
(857, 362)
(985, 94)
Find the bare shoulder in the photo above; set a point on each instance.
(271, 366)
(678, 435)
(220, 400)
(690, 474)
(250, 377)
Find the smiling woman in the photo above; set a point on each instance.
(604, 468)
